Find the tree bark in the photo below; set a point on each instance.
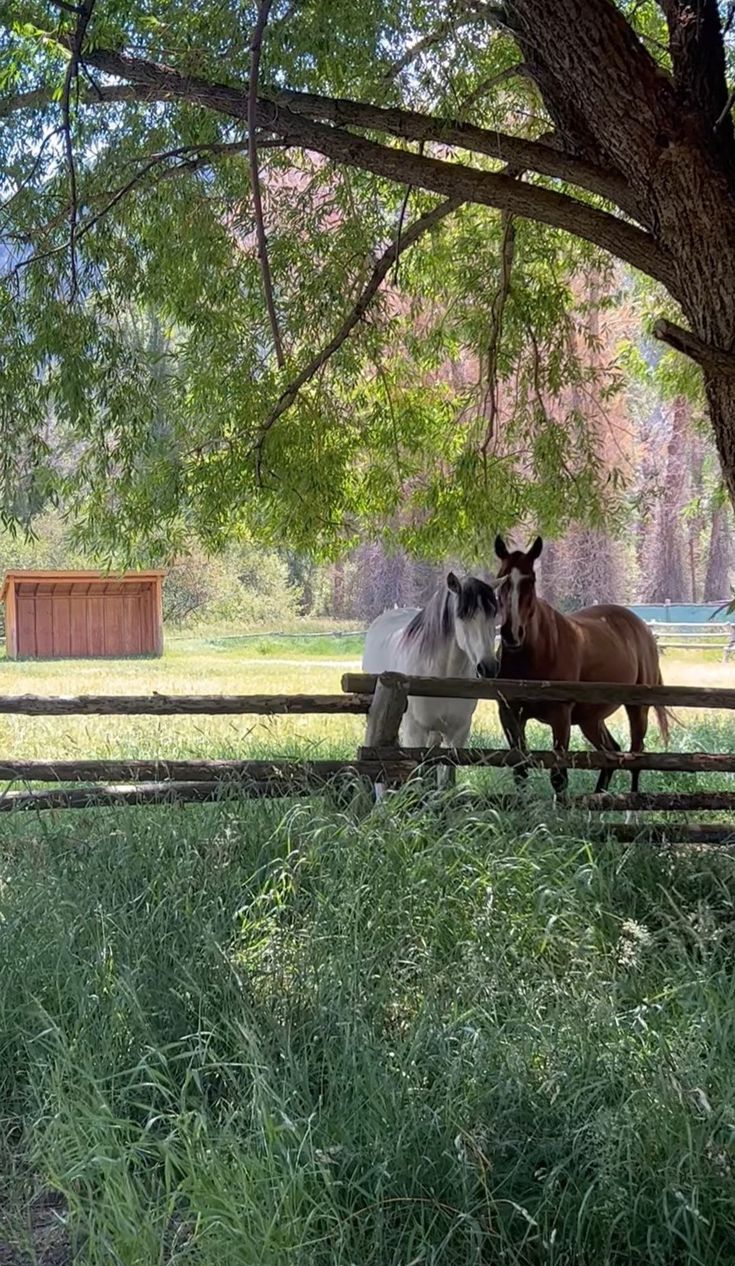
(721, 401)
(666, 567)
(717, 578)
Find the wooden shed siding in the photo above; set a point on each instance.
(78, 621)
(84, 615)
(43, 616)
(26, 624)
(61, 624)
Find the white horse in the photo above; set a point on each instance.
(452, 636)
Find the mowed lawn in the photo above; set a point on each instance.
(306, 1034)
(194, 668)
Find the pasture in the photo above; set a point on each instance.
(290, 1033)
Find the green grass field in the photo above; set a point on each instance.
(279, 1033)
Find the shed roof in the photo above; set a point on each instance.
(70, 577)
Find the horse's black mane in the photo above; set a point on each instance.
(433, 624)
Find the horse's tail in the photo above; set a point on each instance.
(664, 716)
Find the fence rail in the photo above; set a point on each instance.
(183, 705)
(501, 688)
(383, 701)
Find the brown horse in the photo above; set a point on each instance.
(538, 643)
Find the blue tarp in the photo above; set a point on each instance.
(686, 612)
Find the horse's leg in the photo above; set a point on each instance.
(412, 734)
(561, 728)
(455, 740)
(514, 730)
(444, 774)
(638, 718)
(597, 733)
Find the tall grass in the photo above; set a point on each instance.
(287, 1033)
(273, 1034)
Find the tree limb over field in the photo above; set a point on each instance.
(148, 86)
(468, 184)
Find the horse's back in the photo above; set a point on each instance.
(383, 638)
(616, 646)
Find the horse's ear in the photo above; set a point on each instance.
(453, 583)
(501, 549)
(535, 549)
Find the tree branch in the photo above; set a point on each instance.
(411, 125)
(453, 180)
(491, 189)
(84, 14)
(420, 226)
(507, 254)
(260, 234)
(516, 71)
(713, 360)
(698, 57)
(109, 94)
(408, 125)
(559, 210)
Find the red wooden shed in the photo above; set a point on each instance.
(82, 614)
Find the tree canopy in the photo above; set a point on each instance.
(306, 270)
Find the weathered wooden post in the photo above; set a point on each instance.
(385, 716)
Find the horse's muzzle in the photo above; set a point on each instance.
(488, 668)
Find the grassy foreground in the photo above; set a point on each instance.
(254, 1034)
(287, 1033)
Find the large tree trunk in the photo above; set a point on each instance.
(695, 522)
(721, 400)
(673, 138)
(666, 569)
(717, 578)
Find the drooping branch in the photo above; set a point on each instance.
(84, 13)
(48, 138)
(192, 158)
(408, 237)
(260, 234)
(449, 26)
(713, 360)
(726, 110)
(497, 311)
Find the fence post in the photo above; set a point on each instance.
(386, 712)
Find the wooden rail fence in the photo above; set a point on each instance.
(382, 700)
(706, 636)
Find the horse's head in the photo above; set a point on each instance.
(517, 592)
(475, 621)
